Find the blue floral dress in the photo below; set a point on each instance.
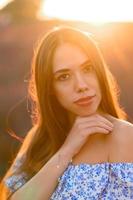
(101, 181)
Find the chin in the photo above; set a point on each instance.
(86, 112)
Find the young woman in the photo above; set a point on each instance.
(80, 144)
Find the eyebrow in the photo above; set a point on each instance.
(67, 69)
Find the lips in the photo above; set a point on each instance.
(84, 100)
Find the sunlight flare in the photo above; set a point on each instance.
(89, 11)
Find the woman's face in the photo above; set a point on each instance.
(74, 80)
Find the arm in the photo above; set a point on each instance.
(43, 184)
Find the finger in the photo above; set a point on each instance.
(94, 130)
(105, 120)
(95, 123)
(96, 118)
(100, 125)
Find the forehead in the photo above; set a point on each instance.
(68, 55)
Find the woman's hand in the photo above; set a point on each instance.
(82, 128)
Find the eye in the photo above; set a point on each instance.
(87, 68)
(63, 77)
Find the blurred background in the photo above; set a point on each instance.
(23, 22)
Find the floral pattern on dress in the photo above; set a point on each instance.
(101, 181)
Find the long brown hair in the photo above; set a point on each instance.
(50, 120)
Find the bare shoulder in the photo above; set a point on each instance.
(122, 133)
(120, 141)
(124, 127)
(121, 127)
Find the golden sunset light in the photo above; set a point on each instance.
(66, 81)
(86, 10)
(89, 11)
(3, 2)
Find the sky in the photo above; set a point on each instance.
(95, 11)
(2, 2)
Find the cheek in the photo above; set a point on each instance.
(96, 84)
(64, 99)
(98, 91)
(62, 93)
(93, 84)
(62, 89)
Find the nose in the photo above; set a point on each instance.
(80, 84)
